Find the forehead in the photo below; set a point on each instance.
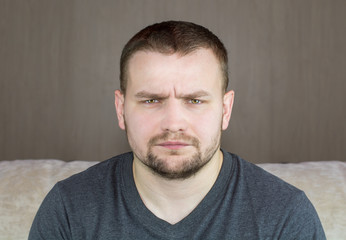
(148, 70)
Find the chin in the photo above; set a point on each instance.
(175, 166)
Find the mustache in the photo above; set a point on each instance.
(173, 136)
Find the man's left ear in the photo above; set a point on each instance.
(228, 100)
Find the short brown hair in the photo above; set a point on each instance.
(173, 37)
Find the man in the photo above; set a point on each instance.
(177, 183)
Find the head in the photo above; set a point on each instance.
(173, 103)
(173, 37)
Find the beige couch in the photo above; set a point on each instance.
(24, 183)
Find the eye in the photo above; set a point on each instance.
(151, 101)
(195, 101)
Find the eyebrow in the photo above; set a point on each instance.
(149, 95)
(197, 94)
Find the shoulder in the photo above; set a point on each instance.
(261, 191)
(97, 177)
(258, 180)
(74, 203)
(273, 201)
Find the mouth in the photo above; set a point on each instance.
(173, 145)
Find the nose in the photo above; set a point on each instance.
(174, 117)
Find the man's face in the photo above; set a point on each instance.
(174, 110)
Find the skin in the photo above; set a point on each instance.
(173, 112)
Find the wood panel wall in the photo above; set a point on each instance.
(59, 68)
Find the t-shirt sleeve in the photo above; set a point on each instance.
(303, 221)
(51, 220)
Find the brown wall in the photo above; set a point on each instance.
(59, 67)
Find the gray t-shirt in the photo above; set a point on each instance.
(245, 202)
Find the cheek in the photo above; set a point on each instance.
(207, 125)
(140, 126)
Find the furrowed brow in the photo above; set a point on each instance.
(193, 95)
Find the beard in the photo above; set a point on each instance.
(184, 166)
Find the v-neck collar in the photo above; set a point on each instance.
(160, 227)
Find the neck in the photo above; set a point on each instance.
(173, 200)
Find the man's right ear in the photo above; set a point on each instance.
(119, 107)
